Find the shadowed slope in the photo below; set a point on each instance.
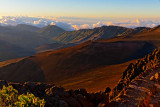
(53, 46)
(22, 71)
(10, 51)
(58, 66)
(25, 39)
(78, 59)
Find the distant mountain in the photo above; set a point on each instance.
(135, 31)
(19, 41)
(157, 28)
(103, 32)
(5, 29)
(28, 38)
(24, 39)
(19, 27)
(51, 31)
(46, 38)
(22, 35)
(10, 51)
(24, 27)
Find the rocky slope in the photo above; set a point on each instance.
(139, 84)
(142, 91)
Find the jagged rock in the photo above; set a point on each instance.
(108, 90)
(142, 67)
(157, 76)
(102, 105)
(83, 101)
(3, 83)
(72, 102)
(139, 84)
(153, 78)
(81, 91)
(62, 103)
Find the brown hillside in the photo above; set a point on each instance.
(88, 59)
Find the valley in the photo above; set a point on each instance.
(88, 64)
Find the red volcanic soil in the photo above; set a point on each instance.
(85, 65)
(96, 79)
(80, 58)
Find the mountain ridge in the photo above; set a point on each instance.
(51, 31)
(103, 32)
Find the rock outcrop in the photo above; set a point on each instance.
(58, 96)
(139, 84)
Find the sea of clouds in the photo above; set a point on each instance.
(73, 23)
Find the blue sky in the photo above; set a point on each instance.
(81, 8)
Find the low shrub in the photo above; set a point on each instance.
(9, 98)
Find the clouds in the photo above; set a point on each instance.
(98, 24)
(132, 23)
(39, 22)
(79, 23)
(83, 26)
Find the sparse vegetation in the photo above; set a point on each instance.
(9, 97)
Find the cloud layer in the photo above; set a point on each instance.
(70, 23)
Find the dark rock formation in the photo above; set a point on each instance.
(58, 96)
(139, 84)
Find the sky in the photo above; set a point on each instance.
(80, 14)
(81, 8)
